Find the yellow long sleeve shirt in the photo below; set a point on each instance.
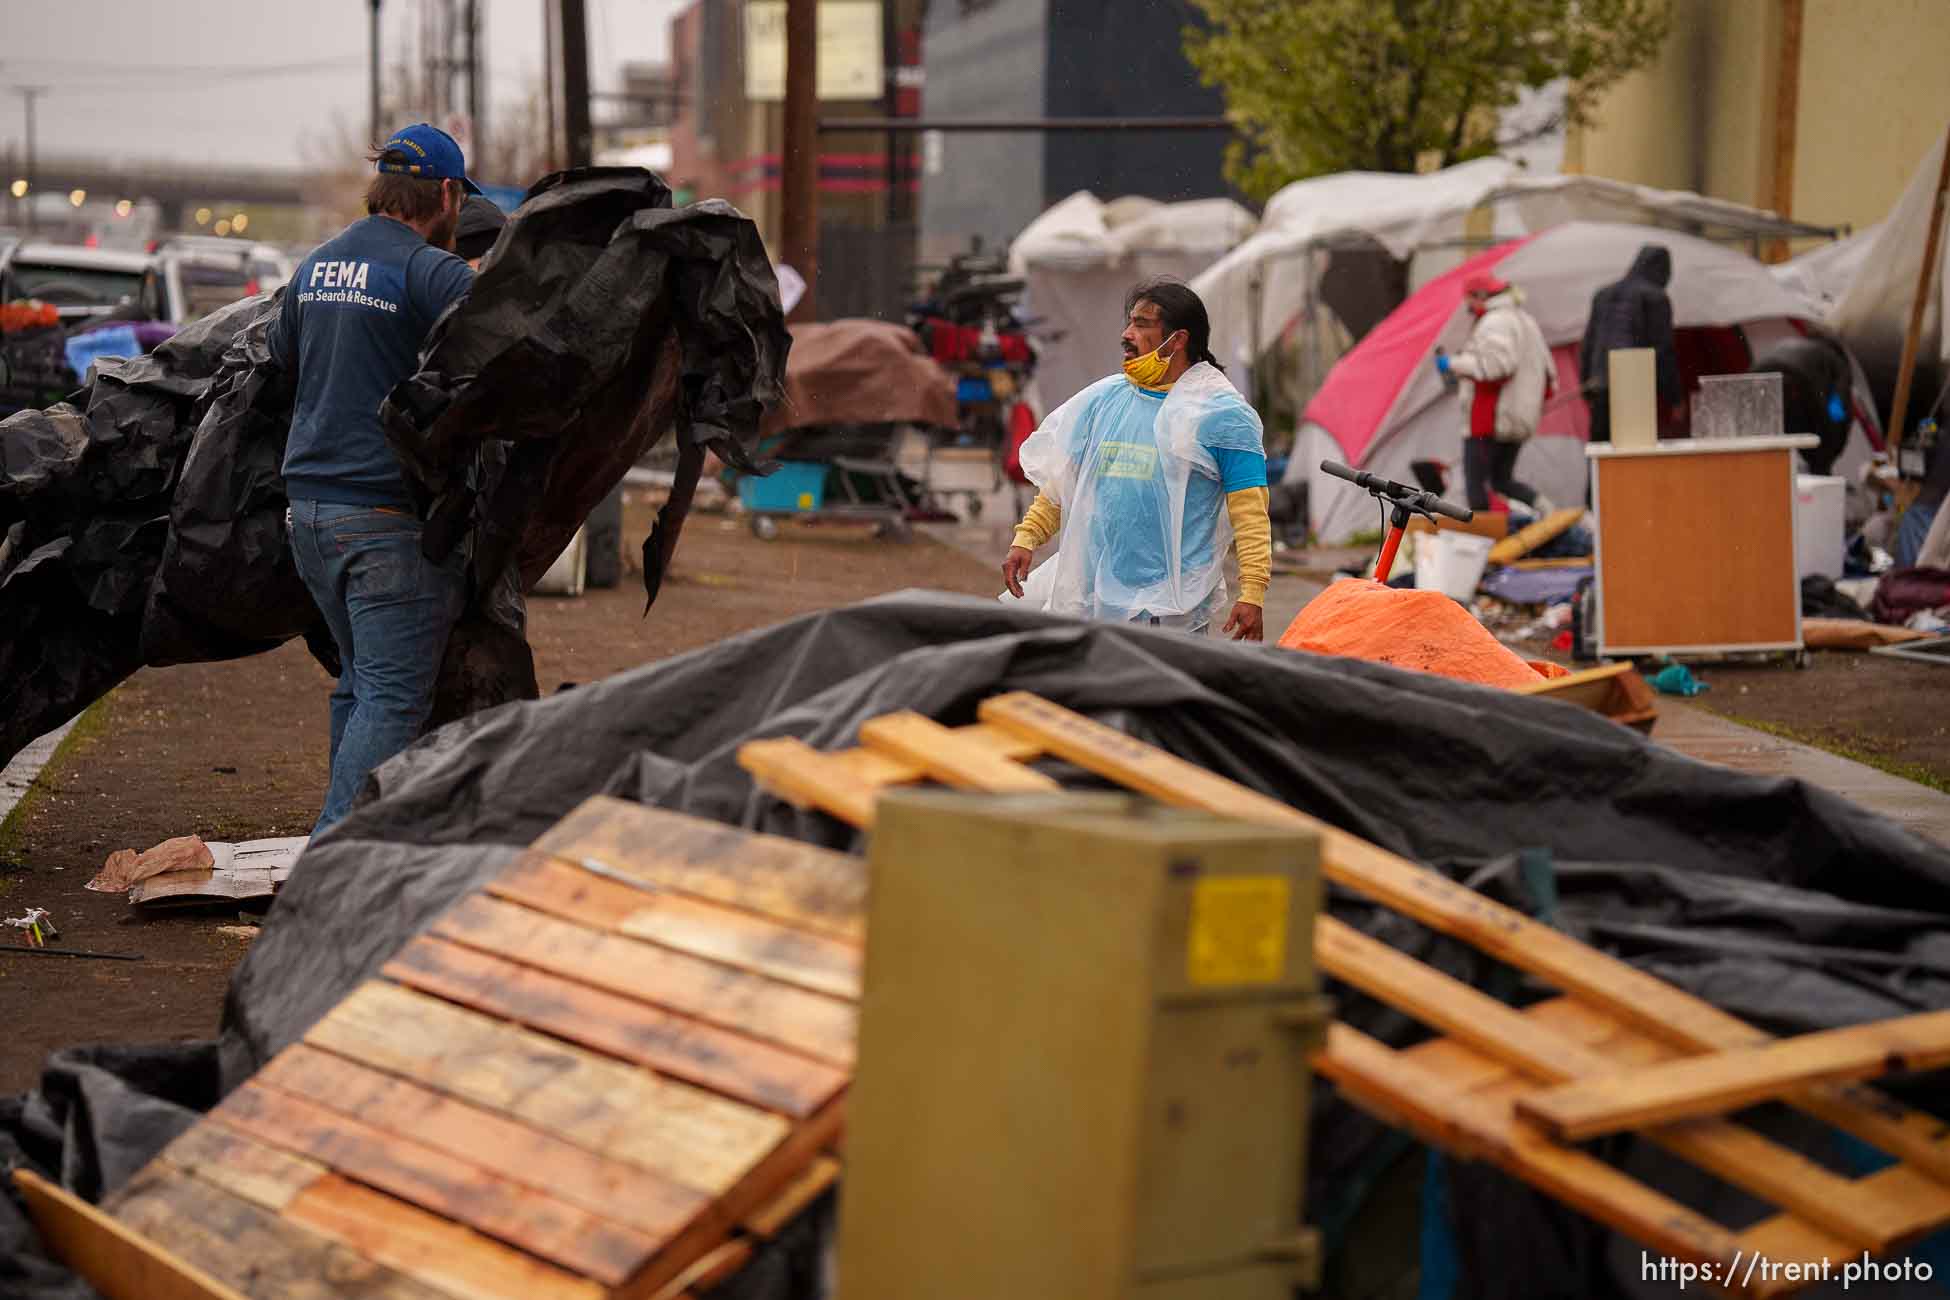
(1252, 534)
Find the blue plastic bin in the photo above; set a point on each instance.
(794, 486)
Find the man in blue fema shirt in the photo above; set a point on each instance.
(351, 325)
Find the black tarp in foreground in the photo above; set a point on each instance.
(1779, 902)
(144, 523)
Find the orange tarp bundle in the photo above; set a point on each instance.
(1361, 619)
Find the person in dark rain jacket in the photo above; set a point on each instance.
(1630, 313)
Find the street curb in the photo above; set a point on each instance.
(19, 775)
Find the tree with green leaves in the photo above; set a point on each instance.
(1320, 86)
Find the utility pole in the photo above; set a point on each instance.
(476, 91)
(799, 216)
(1926, 283)
(372, 79)
(28, 94)
(575, 83)
(551, 25)
(890, 48)
(1786, 116)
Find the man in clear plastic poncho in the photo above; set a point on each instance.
(1144, 478)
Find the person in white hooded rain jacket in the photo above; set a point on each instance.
(1144, 479)
(1504, 373)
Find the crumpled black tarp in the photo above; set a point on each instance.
(146, 520)
(86, 491)
(1780, 902)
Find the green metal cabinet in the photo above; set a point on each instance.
(1083, 1054)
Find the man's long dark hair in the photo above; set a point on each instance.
(1182, 310)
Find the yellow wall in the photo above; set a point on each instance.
(1740, 60)
(1646, 128)
(1874, 95)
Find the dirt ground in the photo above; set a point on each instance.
(236, 751)
(1890, 713)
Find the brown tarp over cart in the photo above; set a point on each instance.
(861, 372)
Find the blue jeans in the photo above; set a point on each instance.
(1912, 532)
(390, 610)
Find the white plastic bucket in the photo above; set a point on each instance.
(1818, 525)
(565, 576)
(1454, 564)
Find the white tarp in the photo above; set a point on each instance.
(1399, 211)
(1405, 213)
(1871, 312)
(1822, 275)
(1081, 257)
(1539, 202)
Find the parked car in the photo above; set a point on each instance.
(191, 281)
(143, 296)
(80, 283)
(266, 266)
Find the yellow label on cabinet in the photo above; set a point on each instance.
(805, 501)
(1238, 933)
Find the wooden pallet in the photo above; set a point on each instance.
(1615, 690)
(1466, 1091)
(612, 1071)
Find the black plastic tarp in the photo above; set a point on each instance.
(1777, 901)
(145, 520)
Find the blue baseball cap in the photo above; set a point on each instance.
(433, 155)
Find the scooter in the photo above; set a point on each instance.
(1405, 500)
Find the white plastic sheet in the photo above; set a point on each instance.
(1081, 257)
(1144, 531)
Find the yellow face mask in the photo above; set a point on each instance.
(1149, 370)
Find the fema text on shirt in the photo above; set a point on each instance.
(342, 282)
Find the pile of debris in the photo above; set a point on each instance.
(144, 523)
(1799, 912)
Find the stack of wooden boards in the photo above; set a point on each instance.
(612, 1071)
(620, 1065)
(1620, 1049)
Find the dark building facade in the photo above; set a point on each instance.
(1058, 58)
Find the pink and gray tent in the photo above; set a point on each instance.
(1383, 406)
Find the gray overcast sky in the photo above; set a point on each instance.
(250, 80)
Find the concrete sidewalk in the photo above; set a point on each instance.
(1699, 734)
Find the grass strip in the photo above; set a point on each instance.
(90, 727)
(1908, 771)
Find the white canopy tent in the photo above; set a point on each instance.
(1080, 258)
(1870, 283)
(1266, 282)
(1472, 204)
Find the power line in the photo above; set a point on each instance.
(171, 81)
(62, 67)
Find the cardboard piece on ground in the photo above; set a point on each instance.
(1634, 397)
(236, 873)
(125, 867)
(1854, 634)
